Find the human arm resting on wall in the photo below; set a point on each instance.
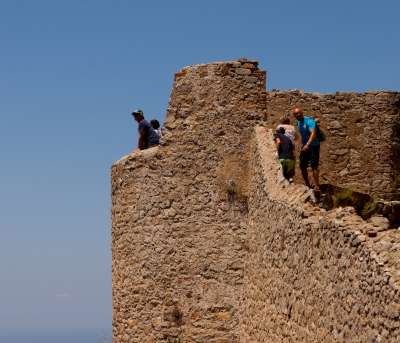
(277, 144)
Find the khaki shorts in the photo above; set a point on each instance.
(288, 168)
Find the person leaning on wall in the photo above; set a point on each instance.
(148, 137)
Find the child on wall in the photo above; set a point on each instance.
(285, 149)
(157, 127)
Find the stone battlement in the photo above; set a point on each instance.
(211, 244)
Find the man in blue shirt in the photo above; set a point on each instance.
(310, 144)
(147, 135)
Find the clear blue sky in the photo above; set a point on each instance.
(70, 73)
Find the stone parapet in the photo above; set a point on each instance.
(313, 275)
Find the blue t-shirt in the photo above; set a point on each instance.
(150, 135)
(305, 127)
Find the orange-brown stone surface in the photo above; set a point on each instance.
(211, 244)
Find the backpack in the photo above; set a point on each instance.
(320, 134)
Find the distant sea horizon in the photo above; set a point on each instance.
(78, 336)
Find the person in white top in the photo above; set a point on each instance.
(155, 124)
(290, 130)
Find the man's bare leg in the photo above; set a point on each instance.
(315, 174)
(304, 172)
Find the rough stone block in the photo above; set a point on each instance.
(242, 71)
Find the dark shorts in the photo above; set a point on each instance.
(310, 157)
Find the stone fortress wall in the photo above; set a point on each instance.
(178, 245)
(206, 249)
(312, 275)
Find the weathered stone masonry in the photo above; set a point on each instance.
(178, 245)
(206, 249)
(363, 147)
(312, 275)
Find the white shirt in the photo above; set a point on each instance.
(290, 131)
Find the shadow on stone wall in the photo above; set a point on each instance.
(366, 206)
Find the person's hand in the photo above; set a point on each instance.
(305, 148)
